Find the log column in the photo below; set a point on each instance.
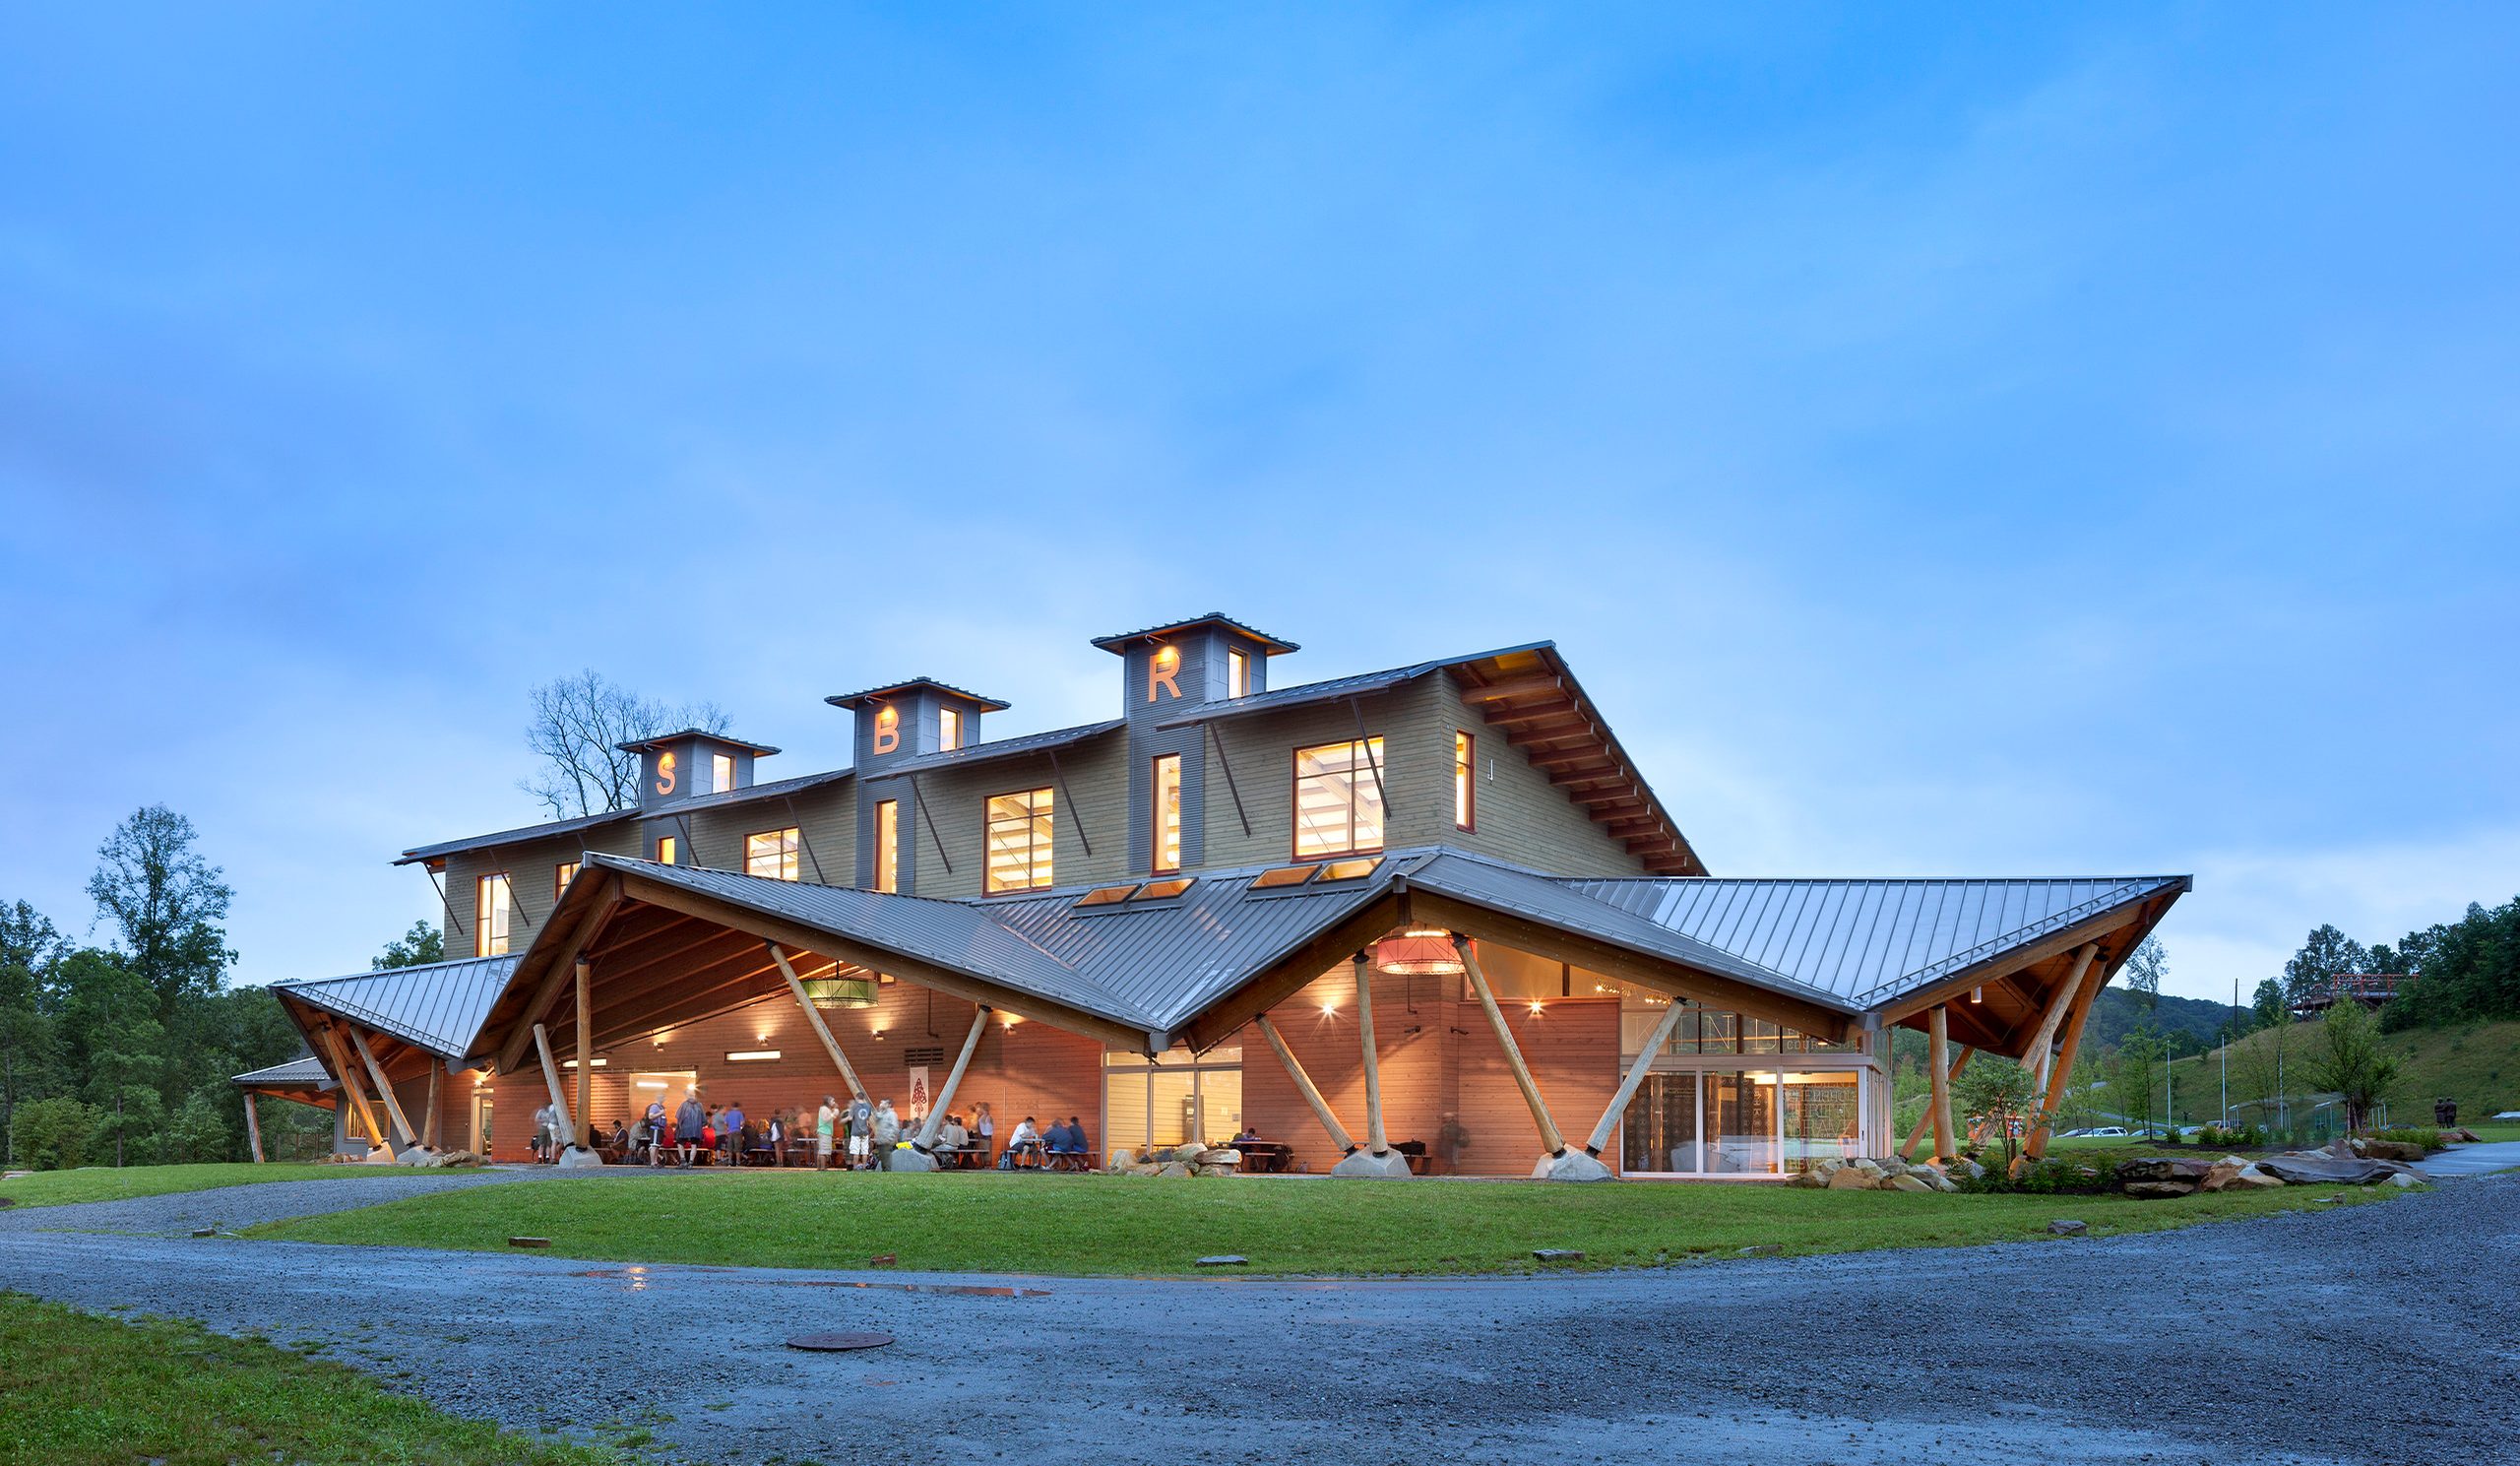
(585, 1061)
(1908, 1152)
(253, 1128)
(1304, 1086)
(1549, 1139)
(925, 1144)
(1375, 1144)
(2062, 1072)
(1939, 1028)
(551, 1075)
(814, 1016)
(1635, 1077)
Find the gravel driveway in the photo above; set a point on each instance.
(2372, 1334)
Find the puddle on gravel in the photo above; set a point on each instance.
(640, 1279)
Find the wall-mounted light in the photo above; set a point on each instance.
(1976, 994)
(1328, 1010)
(1010, 1019)
(1534, 1007)
(879, 1036)
(753, 1056)
(571, 1063)
(647, 1084)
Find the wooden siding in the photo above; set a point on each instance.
(1442, 1060)
(1522, 818)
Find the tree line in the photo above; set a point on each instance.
(121, 1053)
(2460, 971)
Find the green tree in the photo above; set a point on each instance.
(2135, 1077)
(421, 945)
(52, 1134)
(2269, 1002)
(2352, 1061)
(2144, 970)
(1999, 1091)
(29, 1049)
(110, 1018)
(2327, 954)
(166, 903)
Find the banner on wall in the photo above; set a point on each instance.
(918, 1092)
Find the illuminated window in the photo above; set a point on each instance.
(667, 850)
(1164, 890)
(722, 772)
(561, 874)
(1168, 811)
(1106, 895)
(1464, 785)
(491, 910)
(1339, 798)
(1019, 841)
(888, 855)
(949, 728)
(1283, 875)
(771, 854)
(1237, 673)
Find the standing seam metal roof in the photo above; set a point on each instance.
(1867, 942)
(1354, 685)
(305, 1071)
(438, 1006)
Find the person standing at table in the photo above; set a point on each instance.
(655, 1131)
(984, 1125)
(731, 1132)
(824, 1119)
(888, 1134)
(689, 1120)
(862, 1132)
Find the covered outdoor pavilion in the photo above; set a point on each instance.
(388, 1044)
(645, 957)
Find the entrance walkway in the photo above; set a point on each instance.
(2474, 1160)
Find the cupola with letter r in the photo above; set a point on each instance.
(1167, 669)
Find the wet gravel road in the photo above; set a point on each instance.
(2370, 1334)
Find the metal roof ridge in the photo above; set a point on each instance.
(2117, 894)
(391, 972)
(995, 747)
(1859, 880)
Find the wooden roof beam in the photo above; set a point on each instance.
(1512, 687)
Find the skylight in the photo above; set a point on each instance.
(1105, 896)
(1158, 890)
(1350, 869)
(1283, 875)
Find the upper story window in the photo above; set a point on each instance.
(1238, 672)
(561, 874)
(722, 772)
(949, 728)
(1166, 844)
(1019, 841)
(669, 849)
(771, 854)
(1465, 781)
(888, 847)
(492, 910)
(1339, 798)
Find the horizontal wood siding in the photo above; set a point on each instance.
(1521, 816)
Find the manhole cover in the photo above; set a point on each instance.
(832, 1342)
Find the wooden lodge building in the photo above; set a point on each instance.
(1442, 892)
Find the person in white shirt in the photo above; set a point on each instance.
(1026, 1141)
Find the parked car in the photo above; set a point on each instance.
(2105, 1133)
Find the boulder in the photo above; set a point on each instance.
(1190, 1154)
(2222, 1174)
(1810, 1181)
(1222, 1157)
(417, 1156)
(2390, 1150)
(1173, 1167)
(1204, 1169)
(1389, 1166)
(2251, 1178)
(1825, 1168)
(575, 1159)
(1124, 1157)
(1850, 1179)
(2164, 1168)
(907, 1159)
(2160, 1190)
(2323, 1169)
(1905, 1183)
(453, 1158)
(1868, 1169)
(2406, 1181)
(2067, 1227)
(1572, 1165)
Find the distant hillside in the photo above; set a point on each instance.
(2118, 1010)
(2477, 1064)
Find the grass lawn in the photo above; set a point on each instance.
(80, 1390)
(1099, 1225)
(2494, 1131)
(109, 1184)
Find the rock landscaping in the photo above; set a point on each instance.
(2356, 1163)
(1178, 1161)
(1889, 1174)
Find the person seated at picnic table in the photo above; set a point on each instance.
(1078, 1145)
(1024, 1147)
(619, 1139)
(1248, 1135)
(951, 1138)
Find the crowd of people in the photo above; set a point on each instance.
(855, 1134)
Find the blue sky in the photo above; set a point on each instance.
(2050, 441)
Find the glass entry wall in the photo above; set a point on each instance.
(1172, 1100)
(1729, 1095)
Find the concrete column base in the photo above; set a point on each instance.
(1572, 1166)
(574, 1158)
(908, 1160)
(381, 1156)
(417, 1155)
(1391, 1165)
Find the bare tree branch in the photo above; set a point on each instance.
(578, 725)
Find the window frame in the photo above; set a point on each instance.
(886, 833)
(486, 914)
(1465, 781)
(949, 729)
(790, 840)
(1041, 821)
(1238, 672)
(1377, 759)
(1156, 864)
(722, 763)
(562, 874)
(668, 850)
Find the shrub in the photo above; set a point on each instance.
(2423, 1135)
(2234, 1138)
(52, 1134)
